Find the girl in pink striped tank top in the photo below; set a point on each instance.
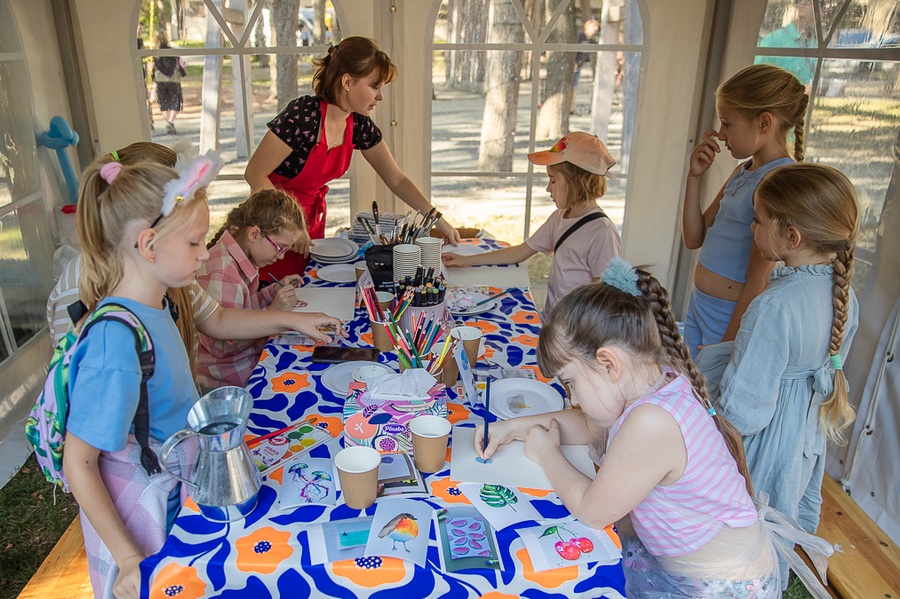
(671, 463)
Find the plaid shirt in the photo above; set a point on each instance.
(231, 278)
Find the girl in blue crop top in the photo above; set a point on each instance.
(757, 108)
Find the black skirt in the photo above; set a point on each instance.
(168, 93)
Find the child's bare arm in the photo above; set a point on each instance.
(511, 255)
(83, 475)
(572, 423)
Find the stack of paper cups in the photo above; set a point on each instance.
(407, 257)
(431, 252)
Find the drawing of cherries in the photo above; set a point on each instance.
(569, 549)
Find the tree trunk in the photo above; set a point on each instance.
(604, 76)
(319, 22)
(498, 128)
(284, 18)
(534, 10)
(553, 118)
(473, 30)
(259, 37)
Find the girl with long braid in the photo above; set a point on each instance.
(669, 459)
(784, 387)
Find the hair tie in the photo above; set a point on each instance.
(837, 362)
(621, 275)
(110, 171)
(711, 411)
(115, 156)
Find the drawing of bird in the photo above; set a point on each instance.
(403, 527)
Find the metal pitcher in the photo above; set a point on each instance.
(226, 482)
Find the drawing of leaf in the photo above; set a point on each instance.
(550, 531)
(498, 496)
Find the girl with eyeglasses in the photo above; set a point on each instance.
(255, 235)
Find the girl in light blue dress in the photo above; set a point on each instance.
(784, 387)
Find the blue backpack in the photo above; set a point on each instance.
(46, 426)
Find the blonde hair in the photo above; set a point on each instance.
(766, 88)
(355, 56)
(582, 186)
(600, 315)
(269, 209)
(820, 202)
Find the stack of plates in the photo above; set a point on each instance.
(407, 257)
(431, 252)
(334, 251)
(386, 224)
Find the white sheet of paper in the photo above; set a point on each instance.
(495, 276)
(509, 466)
(579, 544)
(337, 301)
(504, 505)
(394, 535)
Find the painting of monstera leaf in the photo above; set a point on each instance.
(498, 496)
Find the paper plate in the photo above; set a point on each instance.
(333, 247)
(348, 259)
(463, 249)
(460, 304)
(337, 378)
(523, 397)
(338, 273)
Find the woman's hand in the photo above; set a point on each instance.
(285, 298)
(542, 441)
(314, 325)
(128, 582)
(456, 260)
(704, 154)
(448, 232)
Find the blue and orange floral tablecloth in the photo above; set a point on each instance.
(267, 553)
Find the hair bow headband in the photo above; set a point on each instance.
(191, 177)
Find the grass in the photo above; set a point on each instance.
(30, 525)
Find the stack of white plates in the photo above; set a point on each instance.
(431, 252)
(407, 257)
(334, 251)
(387, 222)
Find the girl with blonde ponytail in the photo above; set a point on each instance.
(784, 387)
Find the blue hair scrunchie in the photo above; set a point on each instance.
(837, 362)
(621, 275)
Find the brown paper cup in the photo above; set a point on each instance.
(360, 268)
(358, 471)
(385, 299)
(381, 337)
(471, 338)
(450, 373)
(429, 440)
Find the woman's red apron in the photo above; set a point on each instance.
(309, 189)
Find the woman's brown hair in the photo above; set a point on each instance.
(355, 56)
(600, 315)
(820, 202)
(766, 88)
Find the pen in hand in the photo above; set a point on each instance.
(274, 279)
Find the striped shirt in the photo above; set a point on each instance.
(65, 293)
(233, 280)
(682, 517)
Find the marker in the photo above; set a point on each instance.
(491, 562)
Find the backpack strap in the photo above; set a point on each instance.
(581, 222)
(144, 348)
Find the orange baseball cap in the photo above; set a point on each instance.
(581, 149)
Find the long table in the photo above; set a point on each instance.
(267, 553)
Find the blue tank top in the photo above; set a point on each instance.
(726, 248)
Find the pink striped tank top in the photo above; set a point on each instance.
(681, 518)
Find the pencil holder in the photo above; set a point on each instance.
(380, 337)
(380, 261)
(412, 314)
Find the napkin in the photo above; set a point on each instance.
(411, 384)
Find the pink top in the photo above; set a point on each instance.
(681, 518)
(233, 280)
(581, 258)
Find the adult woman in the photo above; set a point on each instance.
(168, 72)
(311, 142)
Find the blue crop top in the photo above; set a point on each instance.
(726, 248)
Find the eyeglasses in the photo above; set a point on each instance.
(279, 250)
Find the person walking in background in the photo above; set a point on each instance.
(167, 73)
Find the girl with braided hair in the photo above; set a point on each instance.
(784, 387)
(668, 459)
(757, 108)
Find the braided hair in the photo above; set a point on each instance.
(269, 209)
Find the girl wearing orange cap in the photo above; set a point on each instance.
(580, 235)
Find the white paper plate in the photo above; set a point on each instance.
(523, 397)
(338, 273)
(337, 378)
(463, 249)
(333, 247)
(454, 304)
(349, 258)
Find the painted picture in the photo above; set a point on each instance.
(338, 540)
(400, 528)
(501, 505)
(308, 481)
(566, 543)
(466, 540)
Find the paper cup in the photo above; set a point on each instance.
(358, 471)
(380, 336)
(429, 440)
(385, 299)
(364, 373)
(360, 268)
(471, 339)
(450, 373)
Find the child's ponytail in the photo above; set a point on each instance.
(799, 119)
(836, 412)
(680, 359)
